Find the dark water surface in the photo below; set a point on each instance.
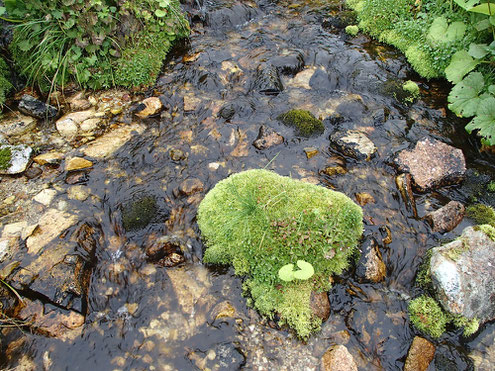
(144, 316)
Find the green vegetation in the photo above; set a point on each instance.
(452, 39)
(481, 214)
(491, 187)
(96, 43)
(427, 316)
(260, 222)
(423, 277)
(304, 122)
(412, 89)
(5, 157)
(470, 325)
(488, 230)
(138, 214)
(352, 30)
(5, 85)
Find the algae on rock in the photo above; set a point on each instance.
(258, 221)
(304, 122)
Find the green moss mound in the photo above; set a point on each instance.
(352, 30)
(481, 214)
(258, 221)
(427, 316)
(304, 122)
(5, 157)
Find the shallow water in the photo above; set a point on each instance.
(144, 316)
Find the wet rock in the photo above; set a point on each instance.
(45, 197)
(320, 305)
(447, 217)
(165, 249)
(267, 137)
(335, 165)
(14, 229)
(138, 213)
(14, 159)
(191, 103)
(404, 184)
(8, 247)
(78, 102)
(90, 125)
(354, 143)
(321, 81)
(364, 198)
(109, 143)
(289, 62)
(190, 286)
(77, 163)
(77, 177)
(338, 358)
(310, 152)
(50, 226)
(420, 355)
(463, 275)
(36, 108)
(50, 158)
(177, 154)
(148, 107)
(225, 309)
(50, 321)
(33, 172)
(68, 125)
(16, 124)
(267, 80)
(226, 18)
(371, 266)
(191, 186)
(432, 164)
(302, 79)
(78, 192)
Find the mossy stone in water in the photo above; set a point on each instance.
(258, 221)
(5, 157)
(139, 213)
(481, 214)
(427, 316)
(304, 122)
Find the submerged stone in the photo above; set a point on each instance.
(289, 62)
(267, 80)
(267, 137)
(16, 124)
(447, 217)
(338, 358)
(138, 213)
(303, 121)
(463, 273)
(371, 266)
(420, 355)
(354, 143)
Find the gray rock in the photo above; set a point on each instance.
(267, 80)
(16, 124)
(31, 106)
(267, 137)
(354, 143)
(432, 164)
(463, 274)
(288, 62)
(20, 157)
(447, 217)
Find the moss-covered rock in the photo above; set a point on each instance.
(137, 214)
(5, 85)
(304, 122)
(481, 214)
(427, 316)
(5, 157)
(259, 221)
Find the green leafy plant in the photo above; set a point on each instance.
(260, 223)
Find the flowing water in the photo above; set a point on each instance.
(142, 315)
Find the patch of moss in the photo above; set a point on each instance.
(258, 221)
(352, 30)
(455, 252)
(421, 62)
(423, 277)
(304, 122)
(491, 187)
(481, 214)
(138, 214)
(5, 85)
(412, 89)
(470, 325)
(5, 157)
(488, 230)
(427, 316)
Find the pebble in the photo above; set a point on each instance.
(77, 163)
(45, 197)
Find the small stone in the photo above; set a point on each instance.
(159, 248)
(191, 103)
(45, 197)
(364, 198)
(404, 184)
(78, 192)
(78, 102)
(77, 177)
(33, 172)
(338, 358)
(148, 107)
(67, 128)
(333, 170)
(16, 124)
(371, 266)
(267, 137)
(13, 229)
(310, 152)
(77, 163)
(447, 217)
(432, 164)
(420, 355)
(354, 143)
(14, 159)
(90, 124)
(34, 107)
(320, 305)
(50, 158)
(107, 144)
(267, 80)
(225, 309)
(301, 80)
(191, 186)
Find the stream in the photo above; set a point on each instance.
(145, 316)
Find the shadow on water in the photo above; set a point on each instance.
(142, 314)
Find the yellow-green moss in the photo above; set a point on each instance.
(427, 316)
(421, 62)
(304, 122)
(5, 85)
(487, 229)
(352, 30)
(481, 214)
(470, 325)
(412, 89)
(258, 221)
(5, 157)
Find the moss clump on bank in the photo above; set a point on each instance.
(427, 316)
(352, 30)
(304, 122)
(258, 221)
(5, 157)
(481, 214)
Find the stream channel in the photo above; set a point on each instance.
(145, 316)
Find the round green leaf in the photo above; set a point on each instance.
(460, 64)
(160, 13)
(305, 272)
(286, 273)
